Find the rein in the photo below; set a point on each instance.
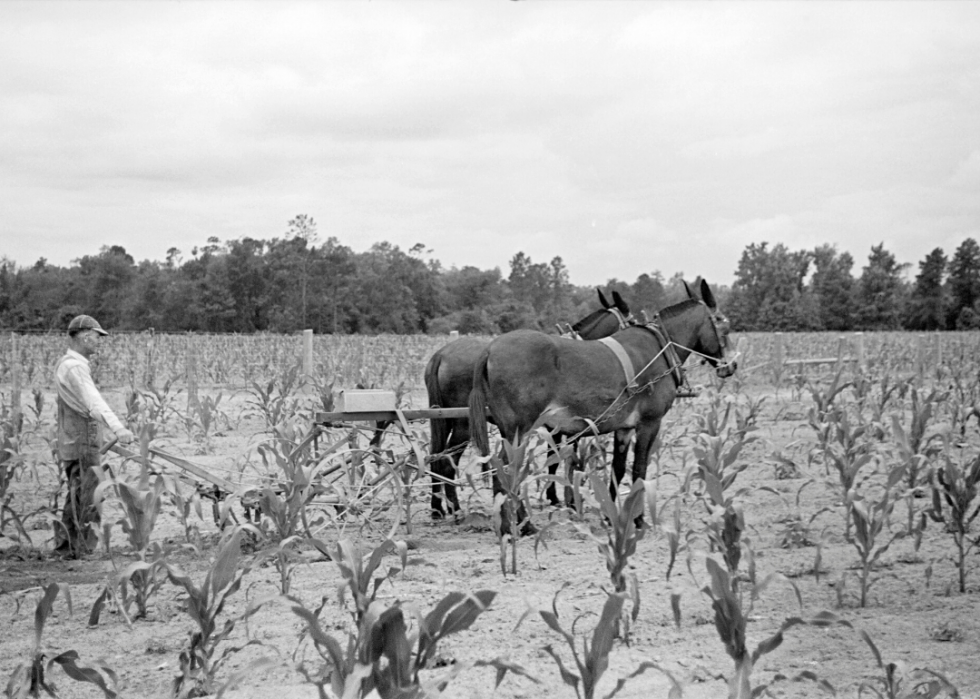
(624, 322)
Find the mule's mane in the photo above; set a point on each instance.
(677, 308)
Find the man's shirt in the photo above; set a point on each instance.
(73, 376)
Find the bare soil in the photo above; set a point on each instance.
(915, 614)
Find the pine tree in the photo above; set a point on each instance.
(881, 291)
(964, 285)
(926, 307)
(833, 288)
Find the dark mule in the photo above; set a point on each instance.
(625, 382)
(449, 380)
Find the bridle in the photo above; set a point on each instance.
(624, 321)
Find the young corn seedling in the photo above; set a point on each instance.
(731, 621)
(847, 451)
(511, 506)
(184, 503)
(30, 680)
(592, 659)
(385, 657)
(11, 465)
(797, 527)
(956, 503)
(678, 538)
(283, 506)
(871, 517)
(199, 661)
(622, 535)
(141, 506)
(915, 447)
(275, 401)
(899, 682)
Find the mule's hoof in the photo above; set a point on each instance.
(528, 529)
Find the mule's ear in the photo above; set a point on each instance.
(707, 296)
(623, 307)
(687, 288)
(602, 299)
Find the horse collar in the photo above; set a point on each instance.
(623, 320)
(623, 358)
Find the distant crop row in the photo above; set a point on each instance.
(237, 361)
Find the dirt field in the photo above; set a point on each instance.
(914, 614)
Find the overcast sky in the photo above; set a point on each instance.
(625, 137)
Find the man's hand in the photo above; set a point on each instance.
(125, 436)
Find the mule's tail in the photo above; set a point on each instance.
(478, 405)
(438, 429)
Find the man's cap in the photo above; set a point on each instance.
(79, 323)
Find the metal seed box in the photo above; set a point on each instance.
(365, 400)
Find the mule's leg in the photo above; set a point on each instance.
(458, 440)
(551, 492)
(645, 437)
(522, 516)
(621, 445)
(445, 468)
(442, 467)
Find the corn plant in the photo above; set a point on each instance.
(899, 682)
(846, 450)
(824, 398)
(384, 658)
(12, 462)
(956, 504)
(592, 658)
(199, 661)
(29, 680)
(678, 538)
(146, 575)
(284, 503)
(915, 447)
(511, 505)
(871, 517)
(731, 621)
(184, 504)
(797, 527)
(275, 400)
(623, 530)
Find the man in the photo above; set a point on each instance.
(80, 410)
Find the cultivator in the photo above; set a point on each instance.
(343, 476)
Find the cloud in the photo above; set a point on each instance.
(624, 137)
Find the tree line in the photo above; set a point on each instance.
(293, 282)
(779, 289)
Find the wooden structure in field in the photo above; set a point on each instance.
(851, 351)
(856, 357)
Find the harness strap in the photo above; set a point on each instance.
(623, 358)
(670, 352)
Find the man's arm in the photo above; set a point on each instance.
(89, 395)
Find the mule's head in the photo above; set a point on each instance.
(712, 340)
(609, 319)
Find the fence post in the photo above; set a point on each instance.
(920, 354)
(190, 369)
(777, 355)
(939, 350)
(453, 335)
(859, 349)
(308, 353)
(15, 383)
